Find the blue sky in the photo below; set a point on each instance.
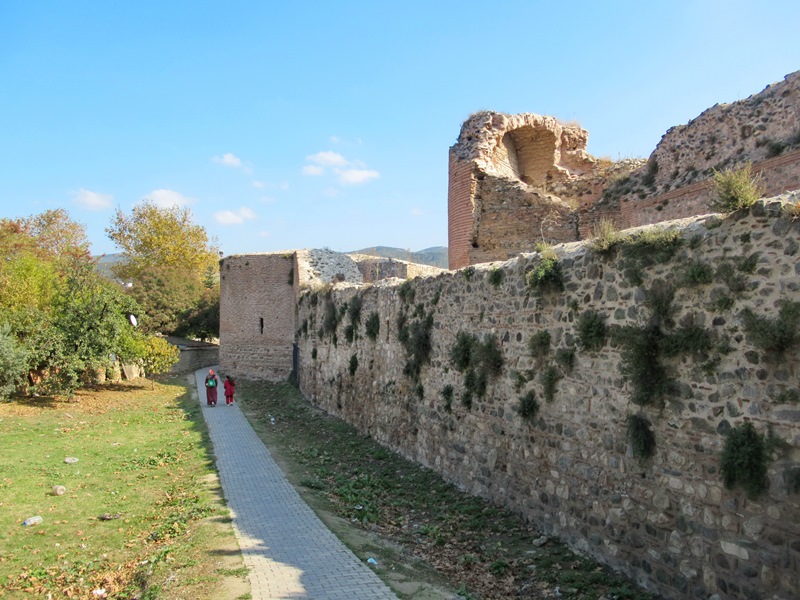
(327, 124)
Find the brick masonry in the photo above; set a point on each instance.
(257, 307)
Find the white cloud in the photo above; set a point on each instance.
(416, 212)
(313, 170)
(167, 198)
(357, 176)
(229, 160)
(229, 217)
(328, 159)
(264, 234)
(259, 185)
(93, 200)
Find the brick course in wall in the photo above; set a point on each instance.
(668, 522)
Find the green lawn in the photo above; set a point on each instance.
(142, 513)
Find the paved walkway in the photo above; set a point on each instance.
(288, 550)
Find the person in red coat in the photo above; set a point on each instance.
(212, 383)
(230, 386)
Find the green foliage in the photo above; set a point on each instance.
(592, 331)
(744, 460)
(153, 236)
(447, 396)
(697, 273)
(461, 352)
(776, 335)
(330, 319)
(787, 396)
(201, 321)
(353, 366)
(478, 360)
(488, 357)
(159, 355)
(736, 189)
(651, 246)
(496, 277)
(13, 362)
(354, 309)
(468, 272)
(546, 275)
(650, 175)
(691, 339)
(349, 334)
(528, 406)
(549, 380)
(641, 436)
(539, 344)
(566, 358)
(170, 263)
(519, 380)
(658, 299)
(418, 346)
(406, 292)
(373, 326)
(606, 237)
(641, 364)
(722, 303)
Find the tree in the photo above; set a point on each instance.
(169, 261)
(55, 233)
(153, 236)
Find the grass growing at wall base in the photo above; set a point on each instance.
(481, 549)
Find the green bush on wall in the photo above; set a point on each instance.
(528, 406)
(373, 326)
(592, 330)
(539, 344)
(736, 189)
(744, 460)
(776, 335)
(640, 436)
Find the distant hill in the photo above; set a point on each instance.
(436, 256)
(106, 261)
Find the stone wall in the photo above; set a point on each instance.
(257, 315)
(515, 179)
(668, 521)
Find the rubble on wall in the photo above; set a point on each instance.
(544, 166)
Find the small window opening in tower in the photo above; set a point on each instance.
(261, 324)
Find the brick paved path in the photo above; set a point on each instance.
(288, 550)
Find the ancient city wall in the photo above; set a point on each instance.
(257, 315)
(517, 179)
(387, 359)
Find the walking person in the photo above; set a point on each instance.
(212, 383)
(230, 386)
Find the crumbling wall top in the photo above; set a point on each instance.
(530, 147)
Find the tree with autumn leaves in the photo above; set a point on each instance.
(59, 318)
(172, 268)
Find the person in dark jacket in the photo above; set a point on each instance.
(212, 383)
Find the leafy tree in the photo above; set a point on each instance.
(153, 236)
(58, 235)
(13, 362)
(171, 263)
(202, 321)
(165, 293)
